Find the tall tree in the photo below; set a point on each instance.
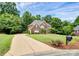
(38, 17)
(47, 18)
(10, 23)
(26, 19)
(8, 7)
(67, 30)
(56, 23)
(76, 22)
(65, 23)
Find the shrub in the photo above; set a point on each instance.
(29, 32)
(72, 34)
(57, 31)
(57, 43)
(43, 31)
(25, 31)
(53, 30)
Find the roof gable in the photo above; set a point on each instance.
(38, 22)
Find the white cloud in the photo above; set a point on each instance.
(66, 12)
(23, 4)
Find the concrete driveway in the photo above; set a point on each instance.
(23, 45)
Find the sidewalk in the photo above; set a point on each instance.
(24, 45)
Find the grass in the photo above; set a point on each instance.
(47, 38)
(5, 42)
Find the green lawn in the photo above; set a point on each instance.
(5, 42)
(46, 38)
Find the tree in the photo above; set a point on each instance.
(53, 30)
(47, 18)
(76, 22)
(8, 7)
(26, 19)
(10, 23)
(38, 17)
(65, 23)
(33, 17)
(56, 24)
(67, 30)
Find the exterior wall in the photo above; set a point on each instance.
(37, 28)
(76, 32)
(45, 25)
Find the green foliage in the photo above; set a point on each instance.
(29, 32)
(9, 18)
(60, 27)
(10, 23)
(8, 7)
(43, 31)
(38, 17)
(67, 30)
(47, 38)
(53, 30)
(33, 17)
(76, 22)
(5, 42)
(26, 19)
(56, 22)
(47, 18)
(56, 43)
(65, 23)
(72, 33)
(56, 31)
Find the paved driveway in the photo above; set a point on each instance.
(24, 45)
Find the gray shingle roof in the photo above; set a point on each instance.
(76, 28)
(39, 22)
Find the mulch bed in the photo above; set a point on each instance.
(75, 46)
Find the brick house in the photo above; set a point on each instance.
(37, 25)
(76, 30)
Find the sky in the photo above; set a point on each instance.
(63, 10)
